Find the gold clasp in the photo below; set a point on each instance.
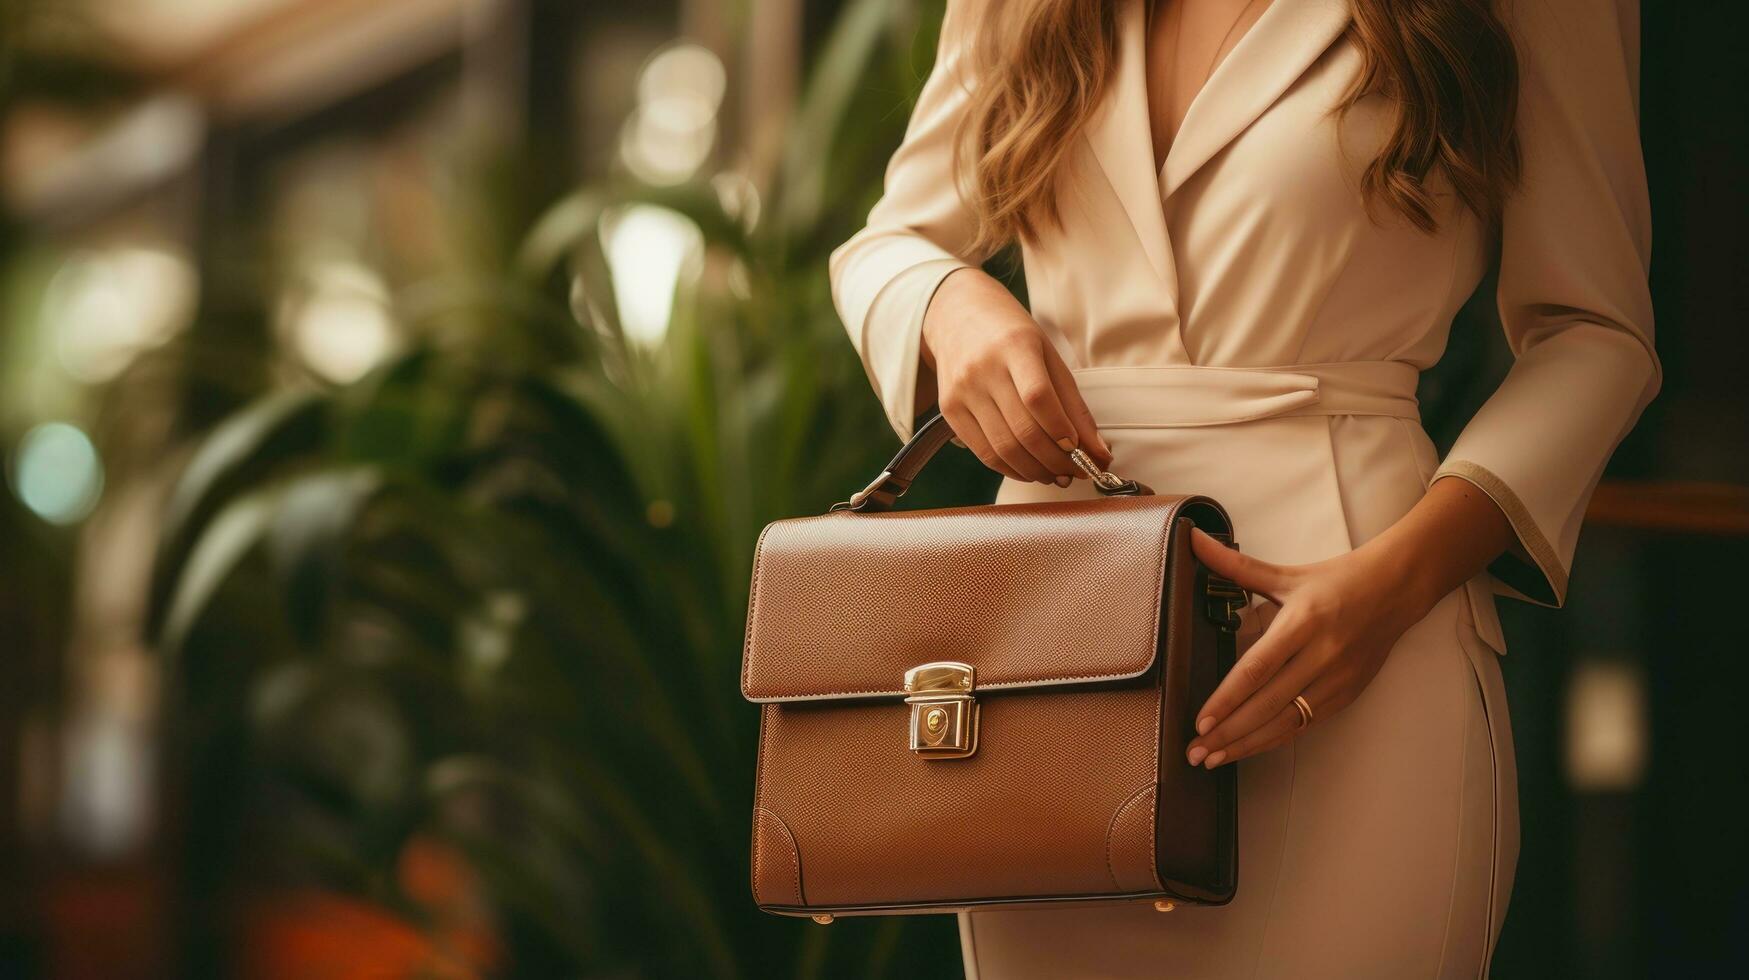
(944, 715)
(1100, 478)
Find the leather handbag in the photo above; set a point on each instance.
(988, 707)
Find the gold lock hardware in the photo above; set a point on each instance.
(944, 715)
(824, 919)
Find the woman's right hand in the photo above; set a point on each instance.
(1001, 385)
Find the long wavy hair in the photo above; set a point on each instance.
(1042, 66)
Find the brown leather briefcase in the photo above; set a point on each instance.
(987, 707)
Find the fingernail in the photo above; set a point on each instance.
(1205, 723)
(1065, 444)
(1216, 758)
(1104, 445)
(1197, 754)
(1063, 481)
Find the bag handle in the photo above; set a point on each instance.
(886, 489)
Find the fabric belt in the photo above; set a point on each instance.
(1191, 395)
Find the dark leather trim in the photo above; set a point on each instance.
(1205, 825)
(903, 468)
(1199, 807)
(1195, 804)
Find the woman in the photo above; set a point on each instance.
(1246, 227)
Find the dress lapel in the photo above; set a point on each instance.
(1275, 52)
(1272, 55)
(1123, 143)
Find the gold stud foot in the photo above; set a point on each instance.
(1164, 906)
(823, 919)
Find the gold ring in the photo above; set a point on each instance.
(1305, 710)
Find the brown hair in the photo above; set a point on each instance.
(1043, 66)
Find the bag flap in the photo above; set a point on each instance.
(1029, 594)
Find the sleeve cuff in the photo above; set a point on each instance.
(1543, 580)
(893, 354)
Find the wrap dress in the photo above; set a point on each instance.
(1242, 325)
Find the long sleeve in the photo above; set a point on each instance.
(917, 233)
(1573, 297)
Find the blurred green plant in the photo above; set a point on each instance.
(494, 592)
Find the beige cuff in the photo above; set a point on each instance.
(893, 338)
(1543, 583)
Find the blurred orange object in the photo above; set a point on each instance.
(301, 935)
(434, 875)
(438, 878)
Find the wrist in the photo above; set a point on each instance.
(1411, 577)
(940, 313)
(1448, 537)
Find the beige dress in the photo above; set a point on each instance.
(1240, 327)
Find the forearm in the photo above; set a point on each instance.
(1452, 534)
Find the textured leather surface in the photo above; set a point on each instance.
(1129, 843)
(777, 865)
(1077, 791)
(1026, 816)
(843, 604)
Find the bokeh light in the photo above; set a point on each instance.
(685, 78)
(104, 307)
(651, 251)
(672, 131)
(1607, 729)
(339, 322)
(739, 197)
(56, 473)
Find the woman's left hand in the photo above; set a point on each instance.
(1338, 621)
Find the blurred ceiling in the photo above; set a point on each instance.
(248, 55)
(215, 60)
(171, 31)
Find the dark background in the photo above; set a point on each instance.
(393, 631)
